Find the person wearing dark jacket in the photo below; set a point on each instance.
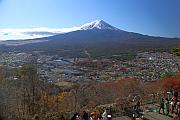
(62, 117)
(162, 101)
(85, 115)
(74, 116)
(167, 106)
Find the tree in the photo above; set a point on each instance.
(170, 83)
(176, 51)
(27, 76)
(2, 77)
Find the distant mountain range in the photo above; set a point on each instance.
(98, 37)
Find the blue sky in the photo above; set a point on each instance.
(152, 17)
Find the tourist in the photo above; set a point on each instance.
(75, 117)
(161, 105)
(92, 116)
(174, 101)
(85, 115)
(167, 106)
(104, 115)
(133, 117)
(178, 108)
(62, 117)
(97, 115)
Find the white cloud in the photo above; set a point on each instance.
(30, 33)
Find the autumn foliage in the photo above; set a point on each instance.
(169, 83)
(109, 92)
(32, 97)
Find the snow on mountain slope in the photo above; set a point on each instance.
(98, 24)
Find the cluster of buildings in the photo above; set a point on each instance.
(153, 66)
(15, 59)
(54, 68)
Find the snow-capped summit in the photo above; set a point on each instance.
(97, 24)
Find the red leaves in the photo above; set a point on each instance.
(110, 91)
(171, 83)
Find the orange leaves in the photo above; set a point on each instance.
(171, 83)
(61, 96)
(51, 102)
(55, 98)
(108, 92)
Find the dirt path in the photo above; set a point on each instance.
(148, 116)
(122, 118)
(156, 116)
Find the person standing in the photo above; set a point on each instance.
(92, 116)
(161, 105)
(75, 117)
(178, 108)
(85, 115)
(104, 115)
(62, 117)
(133, 117)
(167, 106)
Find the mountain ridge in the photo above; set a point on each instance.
(44, 32)
(98, 38)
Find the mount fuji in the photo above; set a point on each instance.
(98, 37)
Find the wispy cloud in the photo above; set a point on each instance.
(30, 33)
